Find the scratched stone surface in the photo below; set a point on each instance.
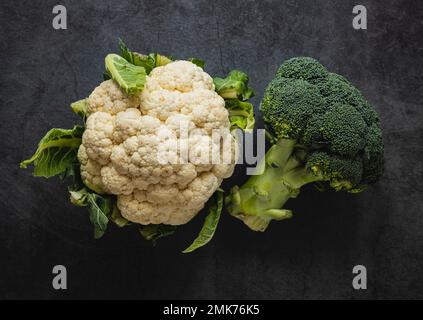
(43, 70)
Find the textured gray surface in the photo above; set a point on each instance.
(310, 256)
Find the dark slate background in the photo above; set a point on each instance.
(312, 255)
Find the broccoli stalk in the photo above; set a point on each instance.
(261, 198)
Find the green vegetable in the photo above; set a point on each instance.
(197, 62)
(80, 108)
(135, 58)
(323, 131)
(100, 208)
(161, 60)
(56, 152)
(234, 89)
(241, 114)
(117, 218)
(148, 62)
(153, 232)
(234, 86)
(210, 223)
(131, 78)
(106, 75)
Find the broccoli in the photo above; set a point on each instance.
(323, 131)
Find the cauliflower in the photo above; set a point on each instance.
(157, 150)
(155, 145)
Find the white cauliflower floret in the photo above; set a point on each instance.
(182, 76)
(98, 137)
(157, 193)
(181, 124)
(206, 108)
(108, 97)
(114, 182)
(183, 88)
(160, 103)
(185, 175)
(168, 204)
(90, 171)
(201, 152)
(127, 124)
(155, 152)
(225, 168)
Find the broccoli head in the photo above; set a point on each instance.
(324, 132)
(301, 100)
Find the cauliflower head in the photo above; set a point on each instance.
(158, 151)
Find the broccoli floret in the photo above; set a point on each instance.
(302, 68)
(336, 89)
(288, 103)
(341, 129)
(373, 155)
(340, 172)
(325, 133)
